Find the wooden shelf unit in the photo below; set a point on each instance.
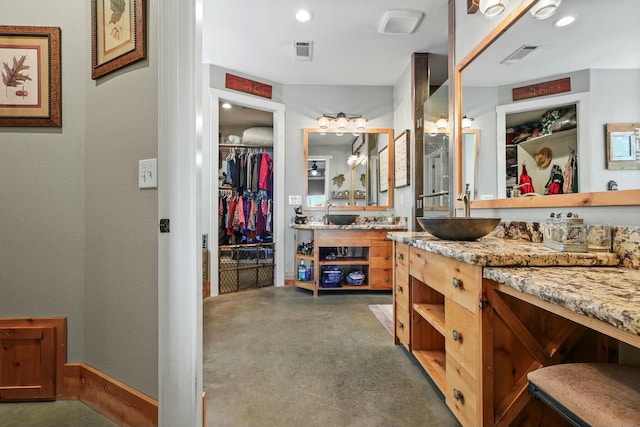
(372, 255)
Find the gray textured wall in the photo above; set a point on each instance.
(78, 238)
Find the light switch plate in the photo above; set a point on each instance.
(295, 200)
(148, 173)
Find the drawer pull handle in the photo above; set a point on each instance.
(399, 288)
(457, 336)
(457, 395)
(386, 257)
(400, 257)
(387, 279)
(400, 325)
(457, 283)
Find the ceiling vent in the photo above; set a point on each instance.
(399, 22)
(517, 56)
(303, 50)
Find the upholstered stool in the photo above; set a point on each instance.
(590, 394)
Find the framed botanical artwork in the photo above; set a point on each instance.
(118, 35)
(401, 160)
(30, 68)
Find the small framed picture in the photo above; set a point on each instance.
(30, 68)
(383, 173)
(401, 169)
(118, 35)
(623, 146)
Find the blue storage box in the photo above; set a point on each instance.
(331, 276)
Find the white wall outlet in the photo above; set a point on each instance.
(148, 173)
(486, 197)
(295, 200)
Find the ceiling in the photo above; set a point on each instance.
(605, 35)
(256, 37)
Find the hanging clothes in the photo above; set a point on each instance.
(525, 184)
(556, 181)
(265, 172)
(567, 187)
(574, 188)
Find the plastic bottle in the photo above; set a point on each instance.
(302, 271)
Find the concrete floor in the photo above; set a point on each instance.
(279, 357)
(61, 413)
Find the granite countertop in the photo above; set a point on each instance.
(497, 252)
(356, 226)
(608, 294)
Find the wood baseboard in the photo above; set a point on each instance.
(113, 399)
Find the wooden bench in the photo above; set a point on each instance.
(590, 394)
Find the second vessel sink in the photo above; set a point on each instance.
(341, 219)
(458, 228)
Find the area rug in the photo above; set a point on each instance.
(384, 313)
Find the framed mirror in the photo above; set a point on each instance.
(347, 169)
(603, 80)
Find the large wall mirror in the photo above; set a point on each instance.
(596, 54)
(349, 171)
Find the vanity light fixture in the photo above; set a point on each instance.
(342, 122)
(492, 8)
(226, 105)
(544, 8)
(467, 122)
(442, 123)
(314, 169)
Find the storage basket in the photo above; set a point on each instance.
(331, 276)
(355, 278)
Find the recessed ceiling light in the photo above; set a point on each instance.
(226, 105)
(303, 15)
(564, 21)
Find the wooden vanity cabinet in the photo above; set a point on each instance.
(446, 326)
(368, 250)
(477, 340)
(401, 327)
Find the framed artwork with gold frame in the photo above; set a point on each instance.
(118, 35)
(30, 69)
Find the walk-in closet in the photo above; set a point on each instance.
(245, 199)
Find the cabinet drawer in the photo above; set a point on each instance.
(381, 278)
(463, 283)
(461, 393)
(379, 237)
(401, 289)
(427, 267)
(402, 256)
(461, 336)
(401, 326)
(380, 256)
(343, 238)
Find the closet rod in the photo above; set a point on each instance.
(245, 146)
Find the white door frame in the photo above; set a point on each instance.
(180, 101)
(210, 226)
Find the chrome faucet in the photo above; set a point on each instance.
(465, 197)
(326, 213)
